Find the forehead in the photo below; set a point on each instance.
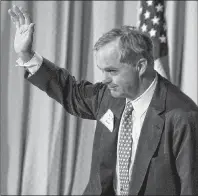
(108, 55)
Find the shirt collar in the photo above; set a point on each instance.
(141, 103)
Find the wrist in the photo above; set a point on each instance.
(26, 56)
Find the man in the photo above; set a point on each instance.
(146, 139)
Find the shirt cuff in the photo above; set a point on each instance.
(32, 65)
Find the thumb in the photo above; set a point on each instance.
(31, 27)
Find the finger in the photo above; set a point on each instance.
(31, 30)
(26, 16)
(20, 15)
(14, 18)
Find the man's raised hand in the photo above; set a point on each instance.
(24, 32)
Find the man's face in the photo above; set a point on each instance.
(122, 79)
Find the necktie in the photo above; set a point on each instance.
(124, 148)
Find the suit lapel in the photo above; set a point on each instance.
(108, 138)
(149, 138)
(148, 141)
(116, 105)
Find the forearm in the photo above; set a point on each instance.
(31, 65)
(80, 99)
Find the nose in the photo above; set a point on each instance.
(107, 78)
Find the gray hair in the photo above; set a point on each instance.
(133, 44)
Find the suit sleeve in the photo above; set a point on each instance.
(185, 146)
(80, 99)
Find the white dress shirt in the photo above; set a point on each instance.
(140, 106)
(33, 65)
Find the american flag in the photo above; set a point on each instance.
(152, 22)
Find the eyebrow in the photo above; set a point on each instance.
(108, 68)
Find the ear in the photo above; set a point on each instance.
(142, 66)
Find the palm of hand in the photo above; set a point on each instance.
(23, 39)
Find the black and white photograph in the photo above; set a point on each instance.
(99, 98)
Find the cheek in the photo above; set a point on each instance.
(127, 83)
(123, 84)
(119, 81)
(126, 80)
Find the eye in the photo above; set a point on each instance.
(113, 72)
(110, 70)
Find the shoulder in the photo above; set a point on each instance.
(177, 100)
(180, 110)
(179, 117)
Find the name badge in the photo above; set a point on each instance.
(108, 119)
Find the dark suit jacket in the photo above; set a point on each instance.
(166, 161)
